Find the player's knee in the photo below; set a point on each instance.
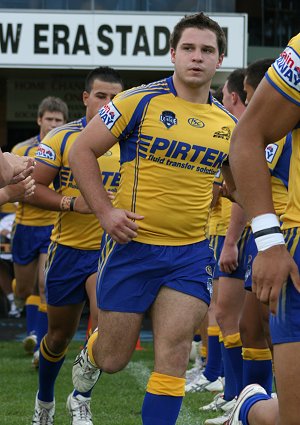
(112, 364)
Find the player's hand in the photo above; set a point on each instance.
(22, 166)
(229, 258)
(20, 191)
(271, 270)
(119, 224)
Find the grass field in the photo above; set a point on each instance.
(116, 400)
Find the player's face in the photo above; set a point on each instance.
(100, 94)
(227, 98)
(49, 121)
(196, 57)
(249, 90)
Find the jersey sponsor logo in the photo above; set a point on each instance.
(271, 150)
(288, 67)
(163, 151)
(45, 151)
(109, 115)
(195, 122)
(224, 133)
(168, 118)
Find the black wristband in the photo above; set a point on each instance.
(72, 202)
(268, 231)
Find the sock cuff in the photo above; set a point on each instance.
(161, 384)
(213, 331)
(43, 308)
(48, 354)
(90, 344)
(232, 341)
(256, 353)
(33, 300)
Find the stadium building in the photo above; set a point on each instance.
(47, 46)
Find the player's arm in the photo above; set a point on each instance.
(268, 118)
(229, 254)
(91, 143)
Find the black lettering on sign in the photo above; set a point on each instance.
(124, 30)
(165, 32)
(81, 42)
(141, 42)
(60, 36)
(38, 38)
(8, 38)
(106, 40)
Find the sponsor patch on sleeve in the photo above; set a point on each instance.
(109, 115)
(45, 152)
(271, 150)
(287, 67)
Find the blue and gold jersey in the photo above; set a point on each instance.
(81, 231)
(278, 156)
(170, 151)
(284, 76)
(26, 214)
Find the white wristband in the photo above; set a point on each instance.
(264, 221)
(261, 225)
(267, 241)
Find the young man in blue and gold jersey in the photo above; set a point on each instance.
(32, 229)
(173, 138)
(70, 271)
(272, 113)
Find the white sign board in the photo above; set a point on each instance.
(41, 39)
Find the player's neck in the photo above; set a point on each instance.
(192, 94)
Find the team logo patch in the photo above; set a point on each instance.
(209, 270)
(224, 133)
(109, 115)
(168, 118)
(288, 67)
(45, 151)
(195, 122)
(271, 150)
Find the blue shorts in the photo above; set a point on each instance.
(130, 276)
(28, 242)
(66, 272)
(216, 243)
(244, 256)
(285, 326)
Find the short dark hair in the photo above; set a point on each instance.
(256, 71)
(235, 82)
(103, 73)
(202, 22)
(53, 104)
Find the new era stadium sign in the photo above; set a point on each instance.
(60, 39)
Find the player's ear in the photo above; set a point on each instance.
(85, 96)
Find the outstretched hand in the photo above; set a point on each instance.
(271, 270)
(22, 166)
(20, 191)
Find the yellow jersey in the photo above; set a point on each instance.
(170, 151)
(26, 214)
(81, 231)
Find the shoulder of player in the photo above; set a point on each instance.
(61, 133)
(21, 147)
(220, 108)
(154, 88)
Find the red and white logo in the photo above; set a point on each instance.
(109, 115)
